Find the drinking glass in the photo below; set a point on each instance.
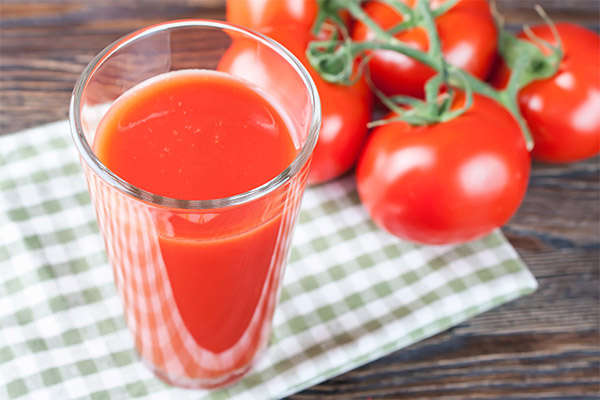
(198, 279)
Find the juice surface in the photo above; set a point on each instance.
(194, 135)
(199, 306)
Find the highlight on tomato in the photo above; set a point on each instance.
(448, 182)
(467, 32)
(563, 111)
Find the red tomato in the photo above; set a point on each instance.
(448, 182)
(563, 112)
(468, 35)
(255, 14)
(345, 110)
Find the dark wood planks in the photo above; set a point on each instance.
(546, 345)
(453, 366)
(44, 46)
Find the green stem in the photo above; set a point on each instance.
(509, 97)
(511, 105)
(402, 26)
(319, 20)
(559, 46)
(435, 44)
(458, 77)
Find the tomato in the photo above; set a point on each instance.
(255, 14)
(563, 112)
(449, 182)
(258, 14)
(345, 110)
(468, 36)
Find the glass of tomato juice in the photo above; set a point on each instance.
(195, 138)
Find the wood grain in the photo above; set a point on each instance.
(546, 345)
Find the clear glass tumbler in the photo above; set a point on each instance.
(198, 279)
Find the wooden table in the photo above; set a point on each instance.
(546, 345)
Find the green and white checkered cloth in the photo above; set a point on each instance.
(351, 293)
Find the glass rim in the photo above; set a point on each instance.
(92, 161)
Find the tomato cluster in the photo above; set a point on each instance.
(453, 180)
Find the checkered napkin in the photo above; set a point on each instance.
(351, 293)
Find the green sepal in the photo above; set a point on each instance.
(539, 66)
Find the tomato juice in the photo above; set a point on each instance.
(194, 135)
(199, 286)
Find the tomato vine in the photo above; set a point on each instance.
(335, 60)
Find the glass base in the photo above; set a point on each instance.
(191, 383)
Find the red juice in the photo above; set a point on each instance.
(194, 135)
(198, 286)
